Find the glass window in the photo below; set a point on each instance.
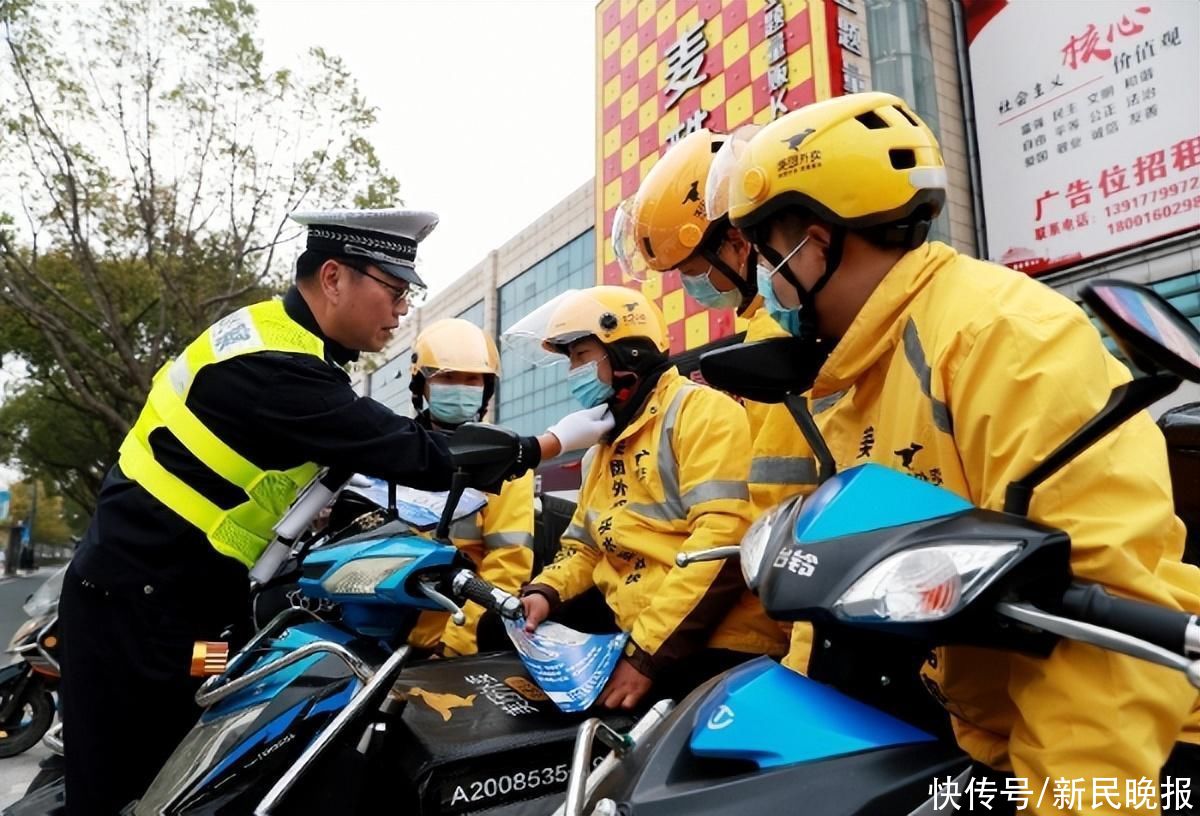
(473, 314)
(389, 383)
(529, 399)
(902, 64)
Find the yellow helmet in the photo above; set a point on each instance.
(858, 161)
(611, 313)
(454, 344)
(665, 222)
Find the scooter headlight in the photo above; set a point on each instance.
(361, 577)
(197, 754)
(925, 583)
(769, 526)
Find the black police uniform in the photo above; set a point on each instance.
(145, 584)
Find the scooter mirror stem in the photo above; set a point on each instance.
(458, 483)
(797, 406)
(1125, 401)
(714, 554)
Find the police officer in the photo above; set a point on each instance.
(233, 428)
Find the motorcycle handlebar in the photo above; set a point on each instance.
(1169, 628)
(467, 584)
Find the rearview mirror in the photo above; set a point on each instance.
(763, 371)
(485, 452)
(1149, 330)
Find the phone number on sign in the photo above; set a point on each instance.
(1163, 193)
(1156, 214)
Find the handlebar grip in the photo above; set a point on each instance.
(467, 584)
(1163, 627)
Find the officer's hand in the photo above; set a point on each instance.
(537, 609)
(625, 687)
(582, 429)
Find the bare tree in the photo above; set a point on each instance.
(150, 161)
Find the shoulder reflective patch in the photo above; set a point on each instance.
(234, 334)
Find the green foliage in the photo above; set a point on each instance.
(51, 524)
(151, 159)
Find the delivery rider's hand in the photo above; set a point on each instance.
(537, 609)
(625, 687)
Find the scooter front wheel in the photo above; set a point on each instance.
(30, 720)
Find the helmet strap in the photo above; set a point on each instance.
(744, 287)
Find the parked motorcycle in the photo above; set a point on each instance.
(321, 712)
(27, 685)
(875, 551)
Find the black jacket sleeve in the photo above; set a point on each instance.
(309, 407)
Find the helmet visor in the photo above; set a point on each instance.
(540, 337)
(526, 338)
(625, 247)
(724, 166)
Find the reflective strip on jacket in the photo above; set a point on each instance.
(966, 374)
(499, 541)
(242, 531)
(674, 480)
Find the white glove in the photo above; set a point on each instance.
(582, 429)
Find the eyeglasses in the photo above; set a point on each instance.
(409, 294)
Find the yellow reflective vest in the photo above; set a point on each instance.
(499, 541)
(243, 531)
(673, 481)
(966, 374)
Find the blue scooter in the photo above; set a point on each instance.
(314, 715)
(877, 552)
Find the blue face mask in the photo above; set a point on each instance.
(704, 292)
(454, 404)
(789, 319)
(586, 386)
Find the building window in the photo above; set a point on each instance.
(530, 398)
(389, 383)
(473, 314)
(902, 64)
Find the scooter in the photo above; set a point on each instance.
(322, 711)
(875, 551)
(27, 685)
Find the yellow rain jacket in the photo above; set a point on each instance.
(499, 540)
(782, 465)
(762, 327)
(673, 480)
(966, 374)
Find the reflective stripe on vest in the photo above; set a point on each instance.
(243, 531)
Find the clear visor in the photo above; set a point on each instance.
(537, 337)
(624, 239)
(723, 168)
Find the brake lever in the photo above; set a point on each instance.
(430, 592)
